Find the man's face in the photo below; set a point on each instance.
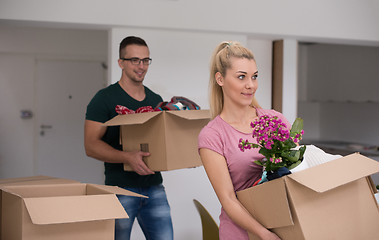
(132, 72)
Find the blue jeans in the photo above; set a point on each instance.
(153, 214)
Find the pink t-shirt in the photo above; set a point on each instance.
(222, 138)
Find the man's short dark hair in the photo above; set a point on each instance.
(129, 41)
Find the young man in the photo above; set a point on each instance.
(102, 143)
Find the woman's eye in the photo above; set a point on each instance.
(241, 77)
(255, 77)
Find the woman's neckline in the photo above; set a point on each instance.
(238, 130)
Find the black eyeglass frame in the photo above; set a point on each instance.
(145, 61)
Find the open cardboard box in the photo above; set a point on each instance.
(334, 200)
(32, 180)
(170, 137)
(61, 211)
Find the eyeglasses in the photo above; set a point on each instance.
(137, 61)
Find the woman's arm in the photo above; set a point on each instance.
(218, 174)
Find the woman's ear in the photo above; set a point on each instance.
(219, 78)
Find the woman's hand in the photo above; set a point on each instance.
(268, 235)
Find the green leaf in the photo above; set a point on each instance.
(265, 152)
(288, 144)
(259, 163)
(292, 155)
(292, 166)
(254, 145)
(297, 126)
(302, 150)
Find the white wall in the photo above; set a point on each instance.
(342, 20)
(262, 50)
(53, 42)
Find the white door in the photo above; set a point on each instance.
(63, 90)
(16, 133)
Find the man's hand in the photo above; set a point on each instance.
(137, 164)
(96, 148)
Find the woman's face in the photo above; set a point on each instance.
(240, 81)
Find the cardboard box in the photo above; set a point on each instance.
(28, 181)
(334, 200)
(170, 137)
(61, 211)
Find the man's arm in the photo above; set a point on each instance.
(100, 150)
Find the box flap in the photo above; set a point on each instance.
(268, 203)
(115, 190)
(336, 173)
(23, 179)
(191, 114)
(130, 119)
(69, 209)
(51, 181)
(34, 180)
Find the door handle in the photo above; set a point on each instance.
(43, 128)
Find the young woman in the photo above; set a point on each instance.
(233, 83)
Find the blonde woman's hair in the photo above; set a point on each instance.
(220, 62)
